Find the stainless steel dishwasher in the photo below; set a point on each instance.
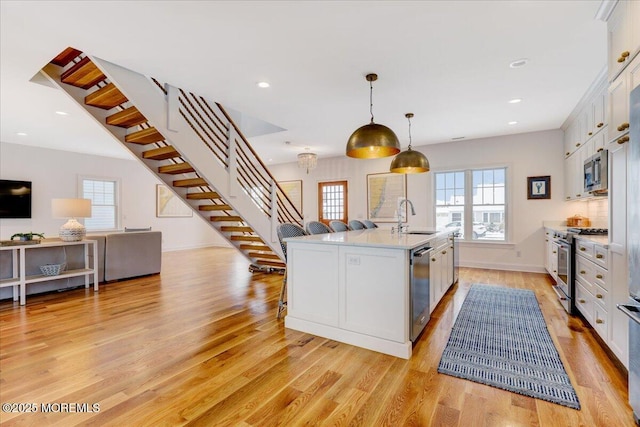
(419, 289)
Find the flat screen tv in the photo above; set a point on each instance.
(15, 199)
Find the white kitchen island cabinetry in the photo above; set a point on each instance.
(354, 287)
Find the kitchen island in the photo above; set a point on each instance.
(354, 286)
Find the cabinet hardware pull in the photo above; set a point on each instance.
(444, 252)
(567, 153)
(622, 59)
(599, 296)
(598, 276)
(582, 248)
(623, 139)
(568, 197)
(600, 125)
(624, 54)
(433, 259)
(590, 133)
(600, 149)
(555, 271)
(599, 321)
(599, 255)
(583, 272)
(578, 195)
(577, 144)
(546, 240)
(582, 301)
(623, 126)
(554, 252)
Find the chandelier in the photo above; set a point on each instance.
(372, 141)
(307, 160)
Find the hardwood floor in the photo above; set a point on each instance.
(199, 345)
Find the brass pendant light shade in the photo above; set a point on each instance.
(372, 141)
(410, 161)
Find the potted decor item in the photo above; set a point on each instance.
(28, 237)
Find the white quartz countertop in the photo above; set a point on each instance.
(377, 237)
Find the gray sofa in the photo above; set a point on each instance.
(121, 255)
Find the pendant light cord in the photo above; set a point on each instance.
(409, 119)
(371, 99)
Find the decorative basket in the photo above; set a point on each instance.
(52, 269)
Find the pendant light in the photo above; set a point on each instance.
(409, 161)
(372, 141)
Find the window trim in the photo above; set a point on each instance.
(468, 213)
(117, 199)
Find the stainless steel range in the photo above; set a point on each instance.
(564, 289)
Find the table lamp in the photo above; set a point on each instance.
(72, 230)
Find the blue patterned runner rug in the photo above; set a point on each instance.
(500, 339)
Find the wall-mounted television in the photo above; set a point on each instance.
(15, 199)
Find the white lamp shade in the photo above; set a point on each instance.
(71, 208)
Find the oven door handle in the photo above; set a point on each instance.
(630, 310)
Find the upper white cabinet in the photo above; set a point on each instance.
(619, 91)
(623, 35)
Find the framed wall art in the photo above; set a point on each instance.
(170, 206)
(539, 187)
(384, 192)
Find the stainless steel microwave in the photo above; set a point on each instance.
(595, 173)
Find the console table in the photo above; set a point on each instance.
(20, 253)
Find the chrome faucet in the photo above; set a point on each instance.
(400, 216)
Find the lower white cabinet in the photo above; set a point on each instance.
(593, 296)
(440, 270)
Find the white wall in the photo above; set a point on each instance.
(54, 174)
(530, 154)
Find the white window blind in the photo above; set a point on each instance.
(104, 207)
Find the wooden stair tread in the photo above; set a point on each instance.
(162, 153)
(144, 136)
(201, 195)
(84, 74)
(215, 208)
(272, 263)
(176, 168)
(260, 255)
(220, 218)
(190, 182)
(246, 247)
(106, 97)
(238, 228)
(246, 238)
(66, 56)
(126, 118)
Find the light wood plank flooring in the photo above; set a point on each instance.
(199, 345)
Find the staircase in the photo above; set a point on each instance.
(189, 143)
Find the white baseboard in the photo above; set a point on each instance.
(507, 267)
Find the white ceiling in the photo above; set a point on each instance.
(445, 61)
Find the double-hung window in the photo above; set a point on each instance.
(103, 193)
(474, 201)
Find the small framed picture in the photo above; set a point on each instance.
(539, 187)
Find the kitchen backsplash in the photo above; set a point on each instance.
(598, 212)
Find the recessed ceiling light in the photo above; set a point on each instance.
(519, 63)
(457, 138)
(515, 100)
(271, 160)
(513, 123)
(62, 113)
(22, 134)
(263, 84)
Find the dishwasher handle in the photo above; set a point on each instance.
(421, 252)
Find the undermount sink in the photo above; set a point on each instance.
(420, 232)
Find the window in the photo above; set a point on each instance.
(332, 201)
(473, 200)
(103, 194)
